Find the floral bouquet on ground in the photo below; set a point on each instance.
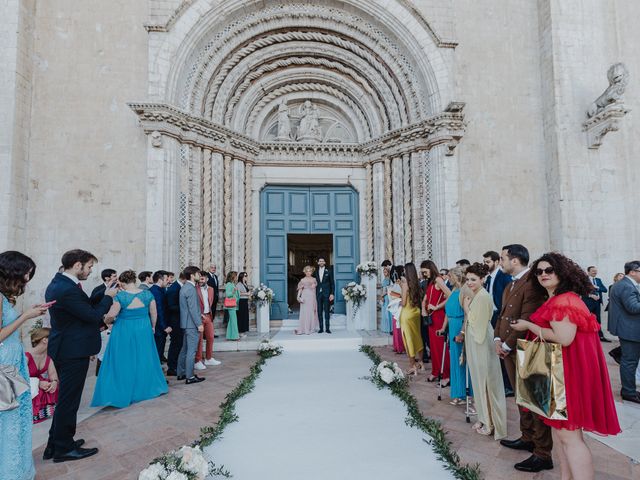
(388, 373)
(367, 268)
(187, 463)
(268, 349)
(262, 295)
(355, 294)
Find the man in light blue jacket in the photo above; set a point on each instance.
(624, 322)
(191, 324)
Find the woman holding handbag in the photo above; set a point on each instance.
(231, 299)
(306, 297)
(16, 461)
(433, 303)
(565, 319)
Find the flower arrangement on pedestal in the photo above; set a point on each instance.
(268, 349)
(187, 463)
(355, 294)
(367, 268)
(262, 295)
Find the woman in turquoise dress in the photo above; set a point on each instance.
(16, 461)
(386, 323)
(454, 320)
(231, 291)
(130, 370)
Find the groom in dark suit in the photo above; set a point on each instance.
(324, 293)
(593, 301)
(74, 338)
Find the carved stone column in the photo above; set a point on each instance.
(368, 205)
(227, 218)
(419, 204)
(378, 205)
(195, 205)
(388, 210)
(217, 211)
(207, 209)
(397, 200)
(237, 216)
(406, 190)
(248, 219)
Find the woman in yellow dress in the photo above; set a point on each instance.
(410, 318)
(484, 366)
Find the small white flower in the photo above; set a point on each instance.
(154, 471)
(261, 295)
(386, 375)
(177, 476)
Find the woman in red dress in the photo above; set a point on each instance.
(41, 367)
(436, 294)
(565, 319)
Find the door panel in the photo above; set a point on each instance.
(307, 210)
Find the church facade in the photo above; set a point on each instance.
(171, 132)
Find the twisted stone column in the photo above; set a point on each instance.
(248, 218)
(217, 221)
(388, 210)
(397, 202)
(379, 224)
(368, 200)
(227, 220)
(408, 234)
(207, 209)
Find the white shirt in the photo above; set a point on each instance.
(205, 298)
(321, 273)
(72, 277)
(493, 276)
(521, 274)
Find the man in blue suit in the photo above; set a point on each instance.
(162, 328)
(74, 338)
(172, 315)
(624, 322)
(593, 301)
(324, 293)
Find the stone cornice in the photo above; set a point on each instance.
(444, 128)
(607, 120)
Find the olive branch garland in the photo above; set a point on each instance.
(439, 442)
(228, 414)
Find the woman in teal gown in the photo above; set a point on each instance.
(16, 460)
(386, 323)
(130, 370)
(231, 291)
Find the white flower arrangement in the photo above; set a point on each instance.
(367, 268)
(268, 349)
(388, 373)
(262, 295)
(355, 293)
(187, 463)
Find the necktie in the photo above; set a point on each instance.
(487, 284)
(79, 286)
(513, 284)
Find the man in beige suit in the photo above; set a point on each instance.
(520, 300)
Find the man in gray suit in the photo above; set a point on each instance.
(624, 322)
(191, 325)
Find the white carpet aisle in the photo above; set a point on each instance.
(311, 416)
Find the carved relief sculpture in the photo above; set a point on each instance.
(284, 124)
(606, 111)
(309, 129)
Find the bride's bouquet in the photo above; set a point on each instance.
(367, 268)
(387, 373)
(262, 295)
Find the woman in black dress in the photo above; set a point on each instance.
(243, 305)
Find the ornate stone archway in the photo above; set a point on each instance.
(238, 91)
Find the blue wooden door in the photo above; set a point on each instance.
(328, 210)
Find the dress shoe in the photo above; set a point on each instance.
(181, 377)
(616, 354)
(163, 359)
(328, 331)
(518, 444)
(48, 452)
(194, 379)
(604, 339)
(171, 373)
(534, 464)
(75, 454)
(320, 331)
(509, 393)
(631, 398)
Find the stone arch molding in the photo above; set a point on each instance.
(218, 69)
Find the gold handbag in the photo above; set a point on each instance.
(540, 378)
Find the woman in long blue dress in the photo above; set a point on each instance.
(231, 291)
(454, 320)
(130, 370)
(386, 323)
(16, 461)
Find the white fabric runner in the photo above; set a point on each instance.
(312, 416)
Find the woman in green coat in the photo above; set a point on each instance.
(231, 292)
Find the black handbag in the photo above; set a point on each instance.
(428, 321)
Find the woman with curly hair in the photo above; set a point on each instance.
(16, 461)
(565, 319)
(484, 366)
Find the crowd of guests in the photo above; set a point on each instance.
(125, 323)
(469, 318)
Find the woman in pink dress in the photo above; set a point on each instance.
(308, 304)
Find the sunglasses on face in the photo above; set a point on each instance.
(548, 271)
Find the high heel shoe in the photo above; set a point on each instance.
(486, 431)
(412, 372)
(477, 426)
(431, 379)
